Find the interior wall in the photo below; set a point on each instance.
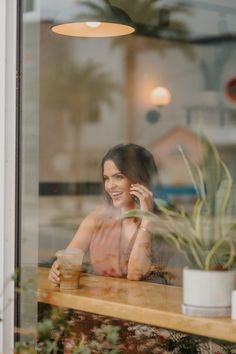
(83, 112)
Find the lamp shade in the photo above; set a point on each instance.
(93, 20)
(160, 96)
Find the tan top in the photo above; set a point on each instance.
(105, 255)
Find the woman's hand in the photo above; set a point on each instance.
(54, 274)
(144, 195)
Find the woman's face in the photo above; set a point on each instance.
(117, 185)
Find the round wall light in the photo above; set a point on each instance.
(160, 96)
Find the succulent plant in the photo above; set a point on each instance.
(204, 236)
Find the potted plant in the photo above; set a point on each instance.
(205, 236)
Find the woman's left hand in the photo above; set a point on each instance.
(144, 195)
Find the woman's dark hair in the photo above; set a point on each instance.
(135, 162)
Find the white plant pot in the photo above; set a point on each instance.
(207, 293)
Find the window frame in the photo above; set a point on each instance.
(8, 181)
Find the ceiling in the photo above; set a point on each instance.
(208, 21)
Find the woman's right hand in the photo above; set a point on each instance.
(144, 196)
(54, 274)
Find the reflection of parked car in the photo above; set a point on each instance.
(60, 217)
(51, 239)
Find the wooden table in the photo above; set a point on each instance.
(142, 302)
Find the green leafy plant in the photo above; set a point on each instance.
(57, 333)
(205, 236)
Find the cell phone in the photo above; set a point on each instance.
(135, 199)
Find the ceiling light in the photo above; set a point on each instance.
(86, 20)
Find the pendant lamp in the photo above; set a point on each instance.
(93, 19)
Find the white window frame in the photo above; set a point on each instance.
(8, 55)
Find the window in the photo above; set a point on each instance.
(81, 96)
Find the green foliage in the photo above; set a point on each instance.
(205, 236)
(56, 331)
(24, 348)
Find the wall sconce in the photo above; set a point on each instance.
(100, 20)
(159, 97)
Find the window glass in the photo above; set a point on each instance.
(28, 233)
(81, 96)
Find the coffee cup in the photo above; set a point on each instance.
(70, 261)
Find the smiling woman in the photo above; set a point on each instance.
(119, 248)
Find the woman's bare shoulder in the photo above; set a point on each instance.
(98, 212)
(101, 212)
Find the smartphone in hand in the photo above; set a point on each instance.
(136, 200)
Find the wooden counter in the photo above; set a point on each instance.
(142, 302)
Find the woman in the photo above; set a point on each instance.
(119, 248)
(122, 248)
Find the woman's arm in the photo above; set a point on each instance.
(140, 257)
(81, 239)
